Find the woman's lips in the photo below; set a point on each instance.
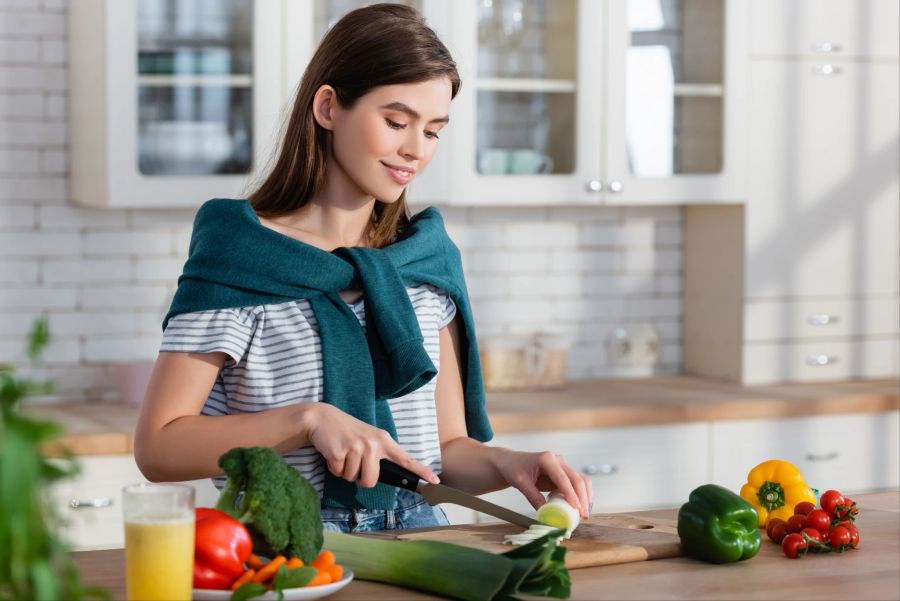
(399, 176)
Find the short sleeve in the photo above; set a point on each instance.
(446, 307)
(218, 330)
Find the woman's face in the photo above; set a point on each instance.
(395, 125)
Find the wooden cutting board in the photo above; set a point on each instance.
(602, 540)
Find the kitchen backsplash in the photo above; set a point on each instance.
(106, 277)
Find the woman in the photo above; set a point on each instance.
(266, 320)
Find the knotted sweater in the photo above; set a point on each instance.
(236, 261)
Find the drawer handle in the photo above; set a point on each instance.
(826, 47)
(826, 69)
(822, 456)
(821, 319)
(820, 360)
(594, 470)
(90, 503)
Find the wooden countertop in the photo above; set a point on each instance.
(105, 428)
(870, 572)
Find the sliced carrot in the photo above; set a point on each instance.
(245, 578)
(325, 560)
(321, 577)
(255, 562)
(336, 571)
(294, 562)
(269, 570)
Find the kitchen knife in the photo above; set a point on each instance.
(393, 474)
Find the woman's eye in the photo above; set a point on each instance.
(395, 125)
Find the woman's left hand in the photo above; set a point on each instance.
(532, 473)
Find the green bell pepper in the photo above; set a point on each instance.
(718, 526)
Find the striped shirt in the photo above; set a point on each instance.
(275, 359)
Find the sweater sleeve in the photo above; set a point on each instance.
(217, 330)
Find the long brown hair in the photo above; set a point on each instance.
(377, 45)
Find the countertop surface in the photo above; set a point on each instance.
(870, 572)
(107, 428)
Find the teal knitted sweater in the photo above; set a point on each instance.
(235, 261)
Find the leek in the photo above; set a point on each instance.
(457, 571)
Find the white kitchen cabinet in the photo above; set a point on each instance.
(171, 104)
(851, 453)
(596, 101)
(90, 504)
(632, 468)
(826, 28)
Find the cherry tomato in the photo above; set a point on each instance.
(829, 501)
(803, 508)
(814, 535)
(771, 524)
(779, 531)
(794, 545)
(847, 509)
(818, 519)
(854, 535)
(839, 538)
(795, 523)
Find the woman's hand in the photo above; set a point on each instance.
(534, 472)
(352, 448)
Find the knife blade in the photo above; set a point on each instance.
(395, 475)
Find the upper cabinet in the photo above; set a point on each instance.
(595, 101)
(171, 102)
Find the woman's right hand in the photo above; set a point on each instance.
(352, 448)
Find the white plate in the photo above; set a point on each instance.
(290, 594)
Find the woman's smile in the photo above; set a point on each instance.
(399, 176)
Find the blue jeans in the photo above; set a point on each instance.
(411, 510)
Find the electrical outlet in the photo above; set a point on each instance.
(633, 345)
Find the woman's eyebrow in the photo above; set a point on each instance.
(399, 106)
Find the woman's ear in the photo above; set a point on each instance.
(325, 106)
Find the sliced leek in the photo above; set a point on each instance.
(558, 513)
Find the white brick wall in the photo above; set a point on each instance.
(105, 277)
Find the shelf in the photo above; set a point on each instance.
(199, 81)
(514, 84)
(712, 90)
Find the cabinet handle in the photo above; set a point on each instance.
(826, 47)
(90, 503)
(817, 360)
(822, 456)
(594, 185)
(826, 69)
(616, 186)
(605, 468)
(821, 319)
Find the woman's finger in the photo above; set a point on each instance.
(368, 475)
(401, 458)
(351, 464)
(529, 489)
(552, 467)
(579, 485)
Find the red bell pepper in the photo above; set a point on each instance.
(222, 545)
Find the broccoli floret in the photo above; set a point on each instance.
(279, 507)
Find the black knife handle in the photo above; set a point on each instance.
(393, 474)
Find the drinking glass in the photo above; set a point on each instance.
(159, 541)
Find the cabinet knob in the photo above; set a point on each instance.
(826, 69)
(594, 470)
(821, 319)
(826, 47)
(594, 185)
(90, 503)
(616, 186)
(818, 360)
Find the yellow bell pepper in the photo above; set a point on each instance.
(774, 487)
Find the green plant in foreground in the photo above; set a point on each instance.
(34, 563)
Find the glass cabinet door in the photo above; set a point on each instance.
(195, 87)
(527, 60)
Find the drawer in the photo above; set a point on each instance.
(632, 468)
(857, 28)
(783, 320)
(851, 453)
(820, 361)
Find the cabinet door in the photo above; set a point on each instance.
(839, 28)
(820, 361)
(526, 125)
(850, 453)
(674, 124)
(822, 218)
(631, 468)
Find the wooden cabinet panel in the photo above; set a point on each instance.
(851, 453)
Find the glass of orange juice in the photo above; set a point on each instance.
(159, 541)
